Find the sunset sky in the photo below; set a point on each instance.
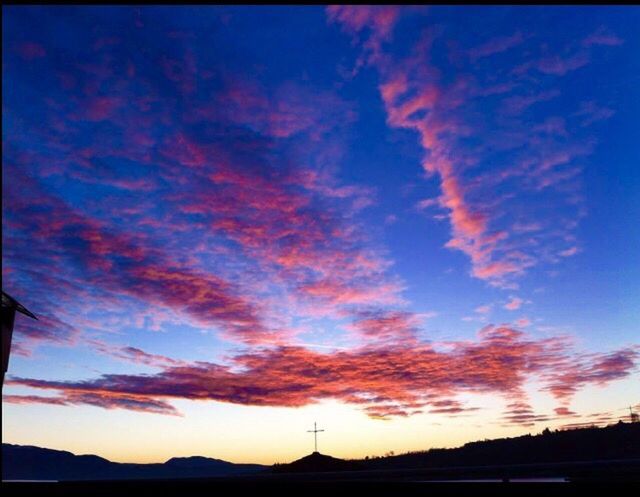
(415, 226)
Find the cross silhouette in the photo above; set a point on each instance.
(315, 432)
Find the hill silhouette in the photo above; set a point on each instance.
(619, 441)
(316, 462)
(23, 462)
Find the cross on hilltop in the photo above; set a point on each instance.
(315, 432)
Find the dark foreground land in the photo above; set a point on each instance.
(616, 479)
(582, 460)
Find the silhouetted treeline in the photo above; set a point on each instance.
(619, 441)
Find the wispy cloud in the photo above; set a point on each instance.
(602, 36)
(443, 112)
(496, 45)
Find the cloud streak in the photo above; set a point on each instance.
(396, 380)
(445, 113)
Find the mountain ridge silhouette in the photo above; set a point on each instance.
(28, 462)
(614, 442)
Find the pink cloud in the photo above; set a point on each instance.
(560, 66)
(598, 369)
(144, 274)
(496, 270)
(394, 380)
(31, 50)
(522, 322)
(132, 354)
(337, 292)
(602, 36)
(514, 304)
(484, 309)
(378, 20)
(563, 411)
(553, 126)
(34, 399)
(394, 326)
(496, 45)
(569, 252)
(519, 103)
(417, 98)
(590, 113)
(290, 110)
(100, 108)
(279, 220)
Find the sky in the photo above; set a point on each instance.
(416, 226)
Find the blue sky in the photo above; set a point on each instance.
(404, 216)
